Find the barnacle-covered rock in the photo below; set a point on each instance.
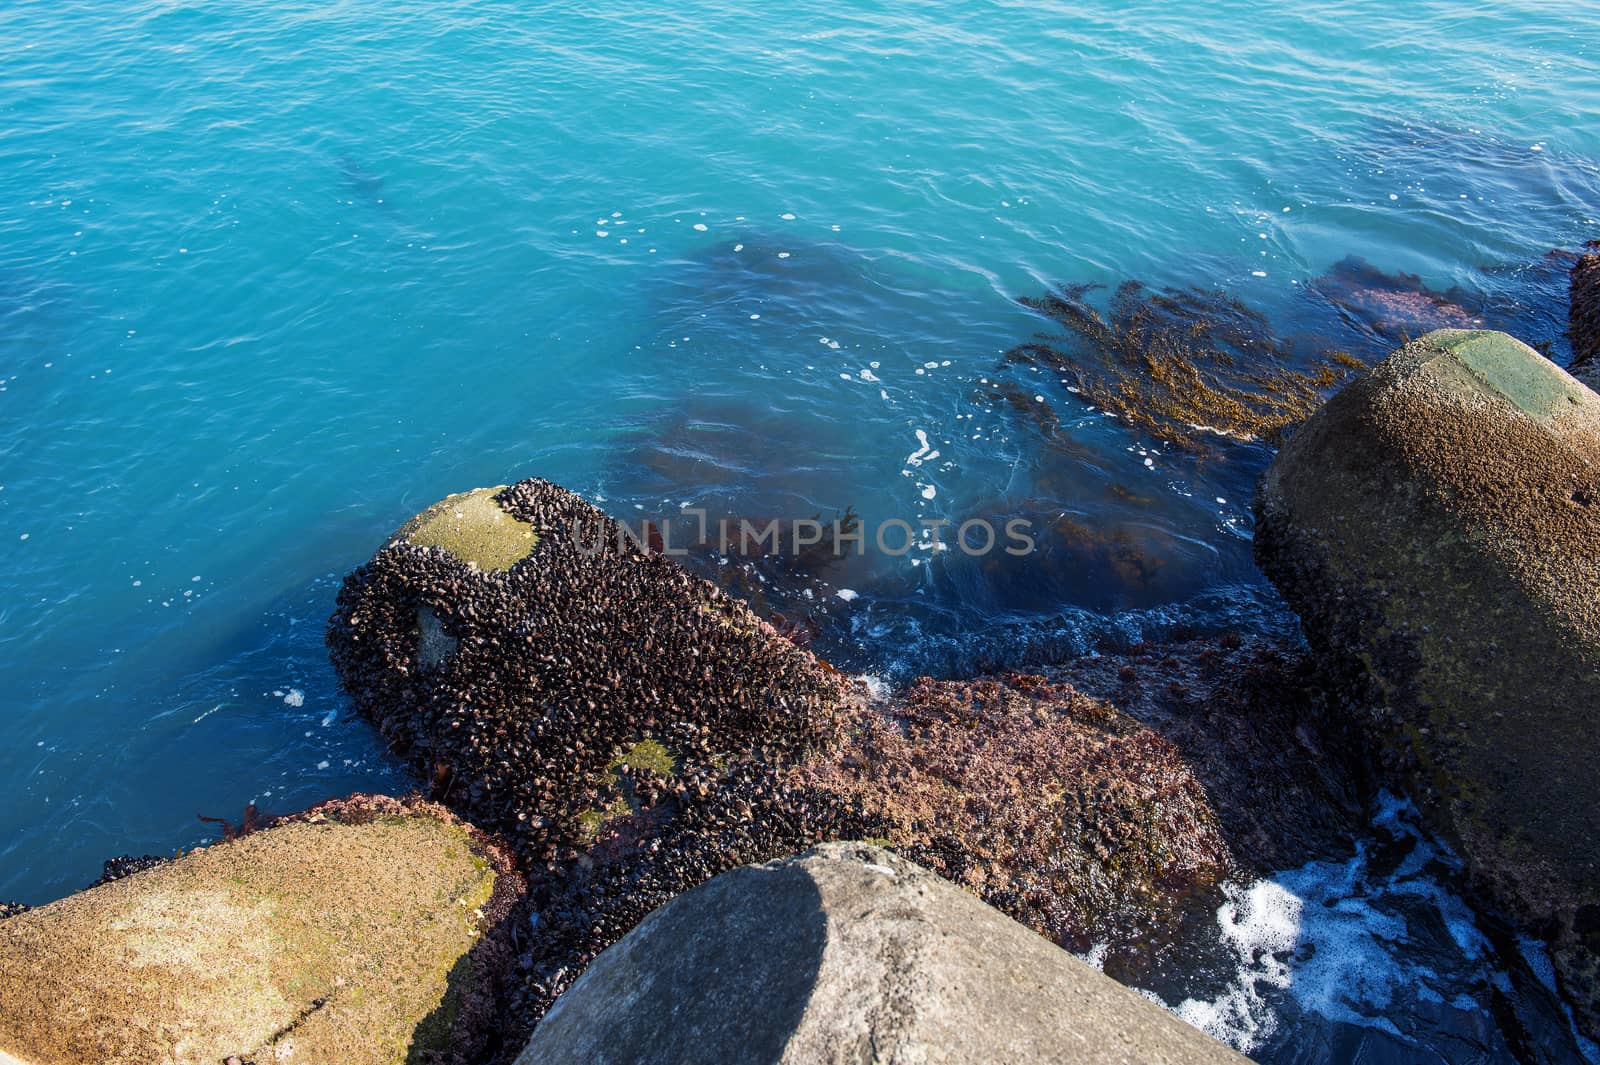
(1437, 528)
(365, 931)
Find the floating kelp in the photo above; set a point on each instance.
(1188, 366)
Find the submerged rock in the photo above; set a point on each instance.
(1437, 527)
(365, 930)
(1584, 317)
(849, 953)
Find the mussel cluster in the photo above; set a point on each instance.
(563, 665)
(632, 731)
(126, 865)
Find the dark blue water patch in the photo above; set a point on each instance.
(361, 181)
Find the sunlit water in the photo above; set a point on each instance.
(275, 276)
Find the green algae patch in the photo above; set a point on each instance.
(473, 527)
(647, 755)
(1511, 369)
(312, 941)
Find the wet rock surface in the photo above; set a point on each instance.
(1435, 527)
(1056, 808)
(1584, 312)
(849, 953)
(365, 930)
(1254, 721)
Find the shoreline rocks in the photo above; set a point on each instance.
(635, 731)
(1437, 527)
(1058, 809)
(364, 930)
(849, 953)
(1251, 718)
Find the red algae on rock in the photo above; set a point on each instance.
(1058, 809)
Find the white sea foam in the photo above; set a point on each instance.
(1339, 940)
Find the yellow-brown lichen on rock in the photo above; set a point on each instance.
(473, 527)
(365, 931)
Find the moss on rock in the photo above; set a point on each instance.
(333, 937)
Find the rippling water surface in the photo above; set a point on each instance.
(275, 276)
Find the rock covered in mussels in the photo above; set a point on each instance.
(365, 931)
(624, 724)
(637, 732)
(1437, 528)
(850, 954)
(519, 677)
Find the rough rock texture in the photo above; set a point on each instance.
(564, 662)
(1252, 719)
(1063, 812)
(1437, 527)
(367, 930)
(474, 528)
(636, 732)
(1584, 317)
(849, 954)
(626, 725)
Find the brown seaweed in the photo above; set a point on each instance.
(1190, 366)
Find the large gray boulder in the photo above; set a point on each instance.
(849, 953)
(1437, 527)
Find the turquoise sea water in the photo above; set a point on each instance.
(275, 276)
